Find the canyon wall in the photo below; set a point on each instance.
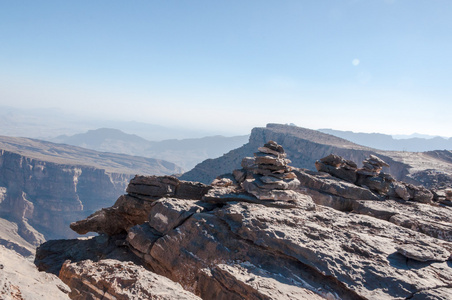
(46, 186)
(48, 196)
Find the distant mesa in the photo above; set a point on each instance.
(432, 169)
(412, 143)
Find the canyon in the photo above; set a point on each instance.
(46, 186)
(294, 213)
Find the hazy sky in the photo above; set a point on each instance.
(362, 65)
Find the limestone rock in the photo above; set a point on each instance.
(155, 187)
(51, 255)
(257, 234)
(401, 191)
(141, 238)
(272, 178)
(113, 279)
(331, 185)
(19, 279)
(168, 213)
(126, 212)
(423, 252)
(338, 167)
(372, 166)
(434, 221)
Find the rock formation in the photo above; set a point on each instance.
(113, 279)
(431, 169)
(240, 239)
(269, 177)
(19, 279)
(372, 177)
(45, 186)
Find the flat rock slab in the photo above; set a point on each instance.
(420, 252)
(113, 279)
(435, 221)
(359, 251)
(262, 284)
(232, 194)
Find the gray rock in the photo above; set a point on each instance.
(126, 212)
(423, 252)
(168, 213)
(142, 237)
(113, 279)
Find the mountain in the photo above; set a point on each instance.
(387, 142)
(45, 186)
(47, 123)
(266, 231)
(185, 152)
(306, 146)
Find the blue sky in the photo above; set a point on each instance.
(361, 65)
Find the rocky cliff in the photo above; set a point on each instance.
(45, 186)
(267, 231)
(306, 146)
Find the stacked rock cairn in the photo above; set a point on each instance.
(372, 166)
(372, 177)
(267, 176)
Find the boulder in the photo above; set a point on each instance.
(128, 211)
(113, 279)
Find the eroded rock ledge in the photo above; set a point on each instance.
(267, 231)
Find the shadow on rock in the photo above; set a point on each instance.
(51, 255)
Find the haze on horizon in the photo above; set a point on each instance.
(365, 66)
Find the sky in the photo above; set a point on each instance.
(361, 65)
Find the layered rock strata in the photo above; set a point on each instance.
(113, 279)
(45, 186)
(372, 177)
(431, 169)
(224, 242)
(268, 176)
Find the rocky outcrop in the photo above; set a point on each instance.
(134, 208)
(113, 279)
(372, 177)
(19, 279)
(305, 147)
(268, 176)
(44, 186)
(336, 240)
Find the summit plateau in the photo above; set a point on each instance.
(266, 229)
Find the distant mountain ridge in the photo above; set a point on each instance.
(389, 143)
(185, 152)
(305, 146)
(45, 124)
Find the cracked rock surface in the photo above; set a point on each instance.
(335, 239)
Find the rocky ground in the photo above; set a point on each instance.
(265, 231)
(304, 147)
(19, 279)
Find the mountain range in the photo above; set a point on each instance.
(184, 152)
(306, 146)
(390, 143)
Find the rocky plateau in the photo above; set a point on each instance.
(432, 169)
(266, 230)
